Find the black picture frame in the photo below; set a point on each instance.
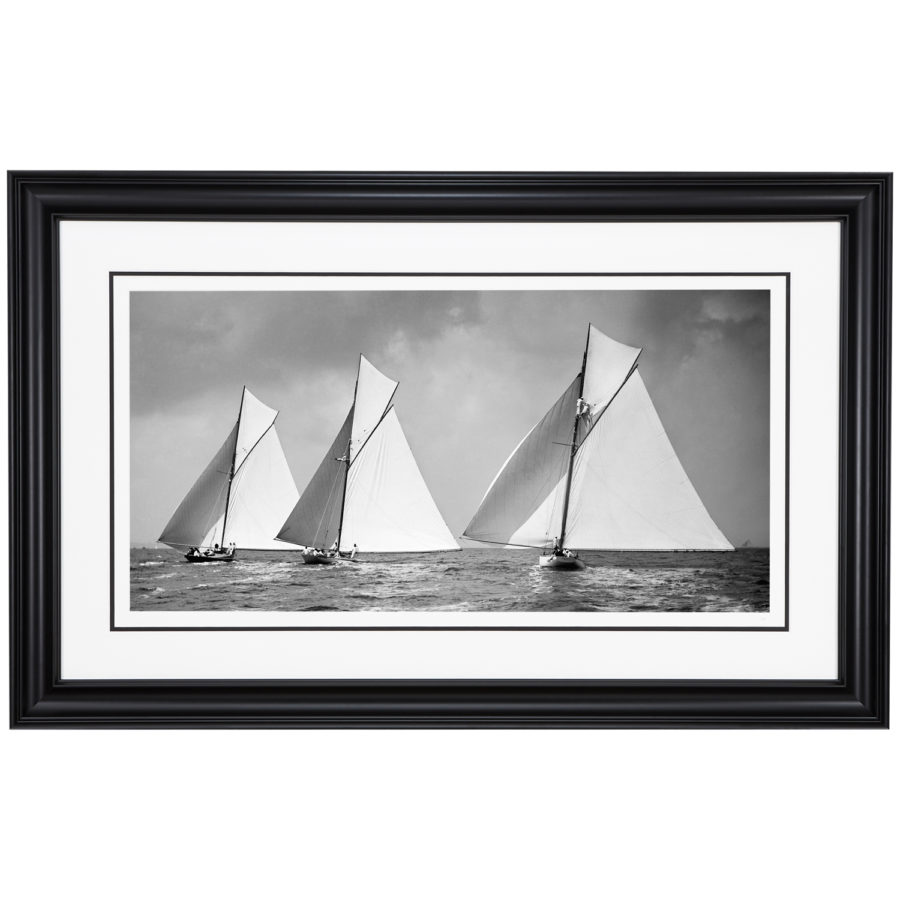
(39, 201)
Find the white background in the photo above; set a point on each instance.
(693, 86)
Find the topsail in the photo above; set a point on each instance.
(598, 472)
(244, 493)
(368, 489)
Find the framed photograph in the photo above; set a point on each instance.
(449, 450)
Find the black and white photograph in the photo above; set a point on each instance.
(527, 451)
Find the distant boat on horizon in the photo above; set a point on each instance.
(598, 472)
(367, 494)
(242, 496)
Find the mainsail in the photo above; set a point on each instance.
(598, 472)
(368, 489)
(244, 493)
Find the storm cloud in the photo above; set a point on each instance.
(476, 369)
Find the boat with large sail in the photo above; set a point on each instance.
(597, 472)
(242, 496)
(367, 494)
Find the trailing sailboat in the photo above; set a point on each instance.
(368, 493)
(598, 472)
(242, 496)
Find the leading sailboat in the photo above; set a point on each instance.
(368, 493)
(242, 496)
(598, 472)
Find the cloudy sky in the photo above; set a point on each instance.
(476, 369)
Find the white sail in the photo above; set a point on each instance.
(607, 364)
(373, 396)
(368, 489)
(629, 489)
(199, 515)
(261, 493)
(316, 519)
(254, 420)
(523, 505)
(388, 507)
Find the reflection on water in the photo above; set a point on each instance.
(477, 580)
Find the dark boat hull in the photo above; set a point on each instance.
(319, 559)
(213, 557)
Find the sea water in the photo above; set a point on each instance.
(476, 580)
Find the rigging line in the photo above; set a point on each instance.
(223, 518)
(503, 543)
(554, 489)
(387, 409)
(237, 434)
(247, 456)
(631, 372)
(340, 473)
(208, 524)
(362, 447)
(340, 527)
(565, 511)
(327, 505)
(519, 446)
(553, 506)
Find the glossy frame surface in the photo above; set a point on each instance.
(39, 200)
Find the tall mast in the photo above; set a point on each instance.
(233, 458)
(574, 448)
(347, 460)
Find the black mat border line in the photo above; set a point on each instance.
(161, 274)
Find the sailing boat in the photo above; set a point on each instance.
(598, 472)
(368, 493)
(242, 496)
